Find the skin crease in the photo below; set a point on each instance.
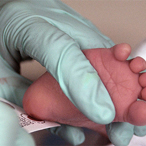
(45, 100)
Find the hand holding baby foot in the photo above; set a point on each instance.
(120, 77)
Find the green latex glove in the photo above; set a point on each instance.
(35, 34)
(120, 134)
(54, 35)
(11, 134)
(12, 88)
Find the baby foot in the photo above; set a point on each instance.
(121, 79)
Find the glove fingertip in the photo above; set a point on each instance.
(109, 115)
(140, 131)
(120, 134)
(73, 135)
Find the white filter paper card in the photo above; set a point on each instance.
(28, 123)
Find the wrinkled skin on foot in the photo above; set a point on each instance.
(45, 100)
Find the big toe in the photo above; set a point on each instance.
(121, 51)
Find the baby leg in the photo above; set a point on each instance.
(119, 78)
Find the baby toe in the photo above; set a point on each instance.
(143, 94)
(138, 64)
(121, 51)
(136, 113)
(142, 80)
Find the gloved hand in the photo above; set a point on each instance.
(12, 88)
(35, 35)
(54, 35)
(120, 134)
(11, 133)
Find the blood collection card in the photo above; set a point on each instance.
(27, 122)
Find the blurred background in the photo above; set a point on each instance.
(124, 21)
